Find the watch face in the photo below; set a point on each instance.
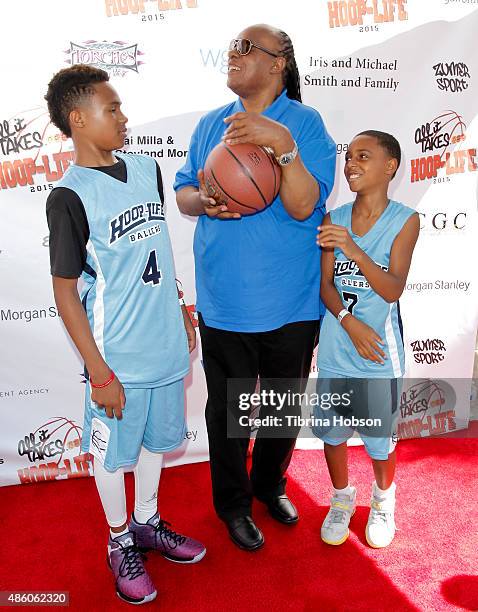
(285, 159)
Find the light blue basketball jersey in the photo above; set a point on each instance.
(129, 292)
(336, 351)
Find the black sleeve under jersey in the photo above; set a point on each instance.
(69, 232)
(160, 183)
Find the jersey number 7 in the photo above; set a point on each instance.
(351, 299)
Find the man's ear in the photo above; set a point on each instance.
(278, 65)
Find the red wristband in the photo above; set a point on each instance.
(105, 384)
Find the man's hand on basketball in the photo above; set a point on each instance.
(332, 236)
(211, 207)
(259, 130)
(111, 398)
(365, 339)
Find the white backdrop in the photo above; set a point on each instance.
(409, 68)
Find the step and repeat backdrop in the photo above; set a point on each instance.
(406, 67)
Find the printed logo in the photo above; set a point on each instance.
(427, 408)
(27, 316)
(355, 12)
(54, 448)
(439, 285)
(215, 58)
(452, 76)
(436, 223)
(135, 216)
(23, 162)
(447, 2)
(428, 351)
(436, 136)
(99, 439)
(22, 393)
(115, 8)
(350, 268)
(117, 58)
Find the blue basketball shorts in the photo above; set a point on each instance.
(368, 406)
(153, 418)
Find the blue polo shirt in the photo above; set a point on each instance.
(262, 271)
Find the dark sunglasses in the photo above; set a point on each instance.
(244, 46)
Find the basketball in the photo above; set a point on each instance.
(244, 177)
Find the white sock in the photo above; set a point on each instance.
(110, 486)
(115, 534)
(383, 494)
(346, 491)
(146, 482)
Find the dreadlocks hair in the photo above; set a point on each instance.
(67, 89)
(291, 75)
(387, 142)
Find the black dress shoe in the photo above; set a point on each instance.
(282, 509)
(244, 533)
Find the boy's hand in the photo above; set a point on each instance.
(365, 339)
(211, 207)
(111, 398)
(190, 330)
(332, 236)
(191, 334)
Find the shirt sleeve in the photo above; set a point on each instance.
(318, 153)
(187, 175)
(160, 182)
(69, 233)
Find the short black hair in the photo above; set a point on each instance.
(66, 90)
(387, 142)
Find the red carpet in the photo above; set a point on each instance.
(54, 538)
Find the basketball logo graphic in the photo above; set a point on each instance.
(54, 449)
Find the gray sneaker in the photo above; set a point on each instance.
(335, 528)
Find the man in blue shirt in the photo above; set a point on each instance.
(257, 277)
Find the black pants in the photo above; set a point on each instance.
(282, 353)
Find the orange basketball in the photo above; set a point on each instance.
(244, 177)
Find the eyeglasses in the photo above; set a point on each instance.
(244, 46)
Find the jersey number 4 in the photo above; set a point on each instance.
(152, 273)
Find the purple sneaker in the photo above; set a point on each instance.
(133, 583)
(157, 535)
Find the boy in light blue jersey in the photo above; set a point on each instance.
(108, 225)
(367, 248)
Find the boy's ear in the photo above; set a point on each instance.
(77, 119)
(392, 166)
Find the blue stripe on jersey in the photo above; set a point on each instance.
(336, 351)
(400, 323)
(129, 290)
(87, 269)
